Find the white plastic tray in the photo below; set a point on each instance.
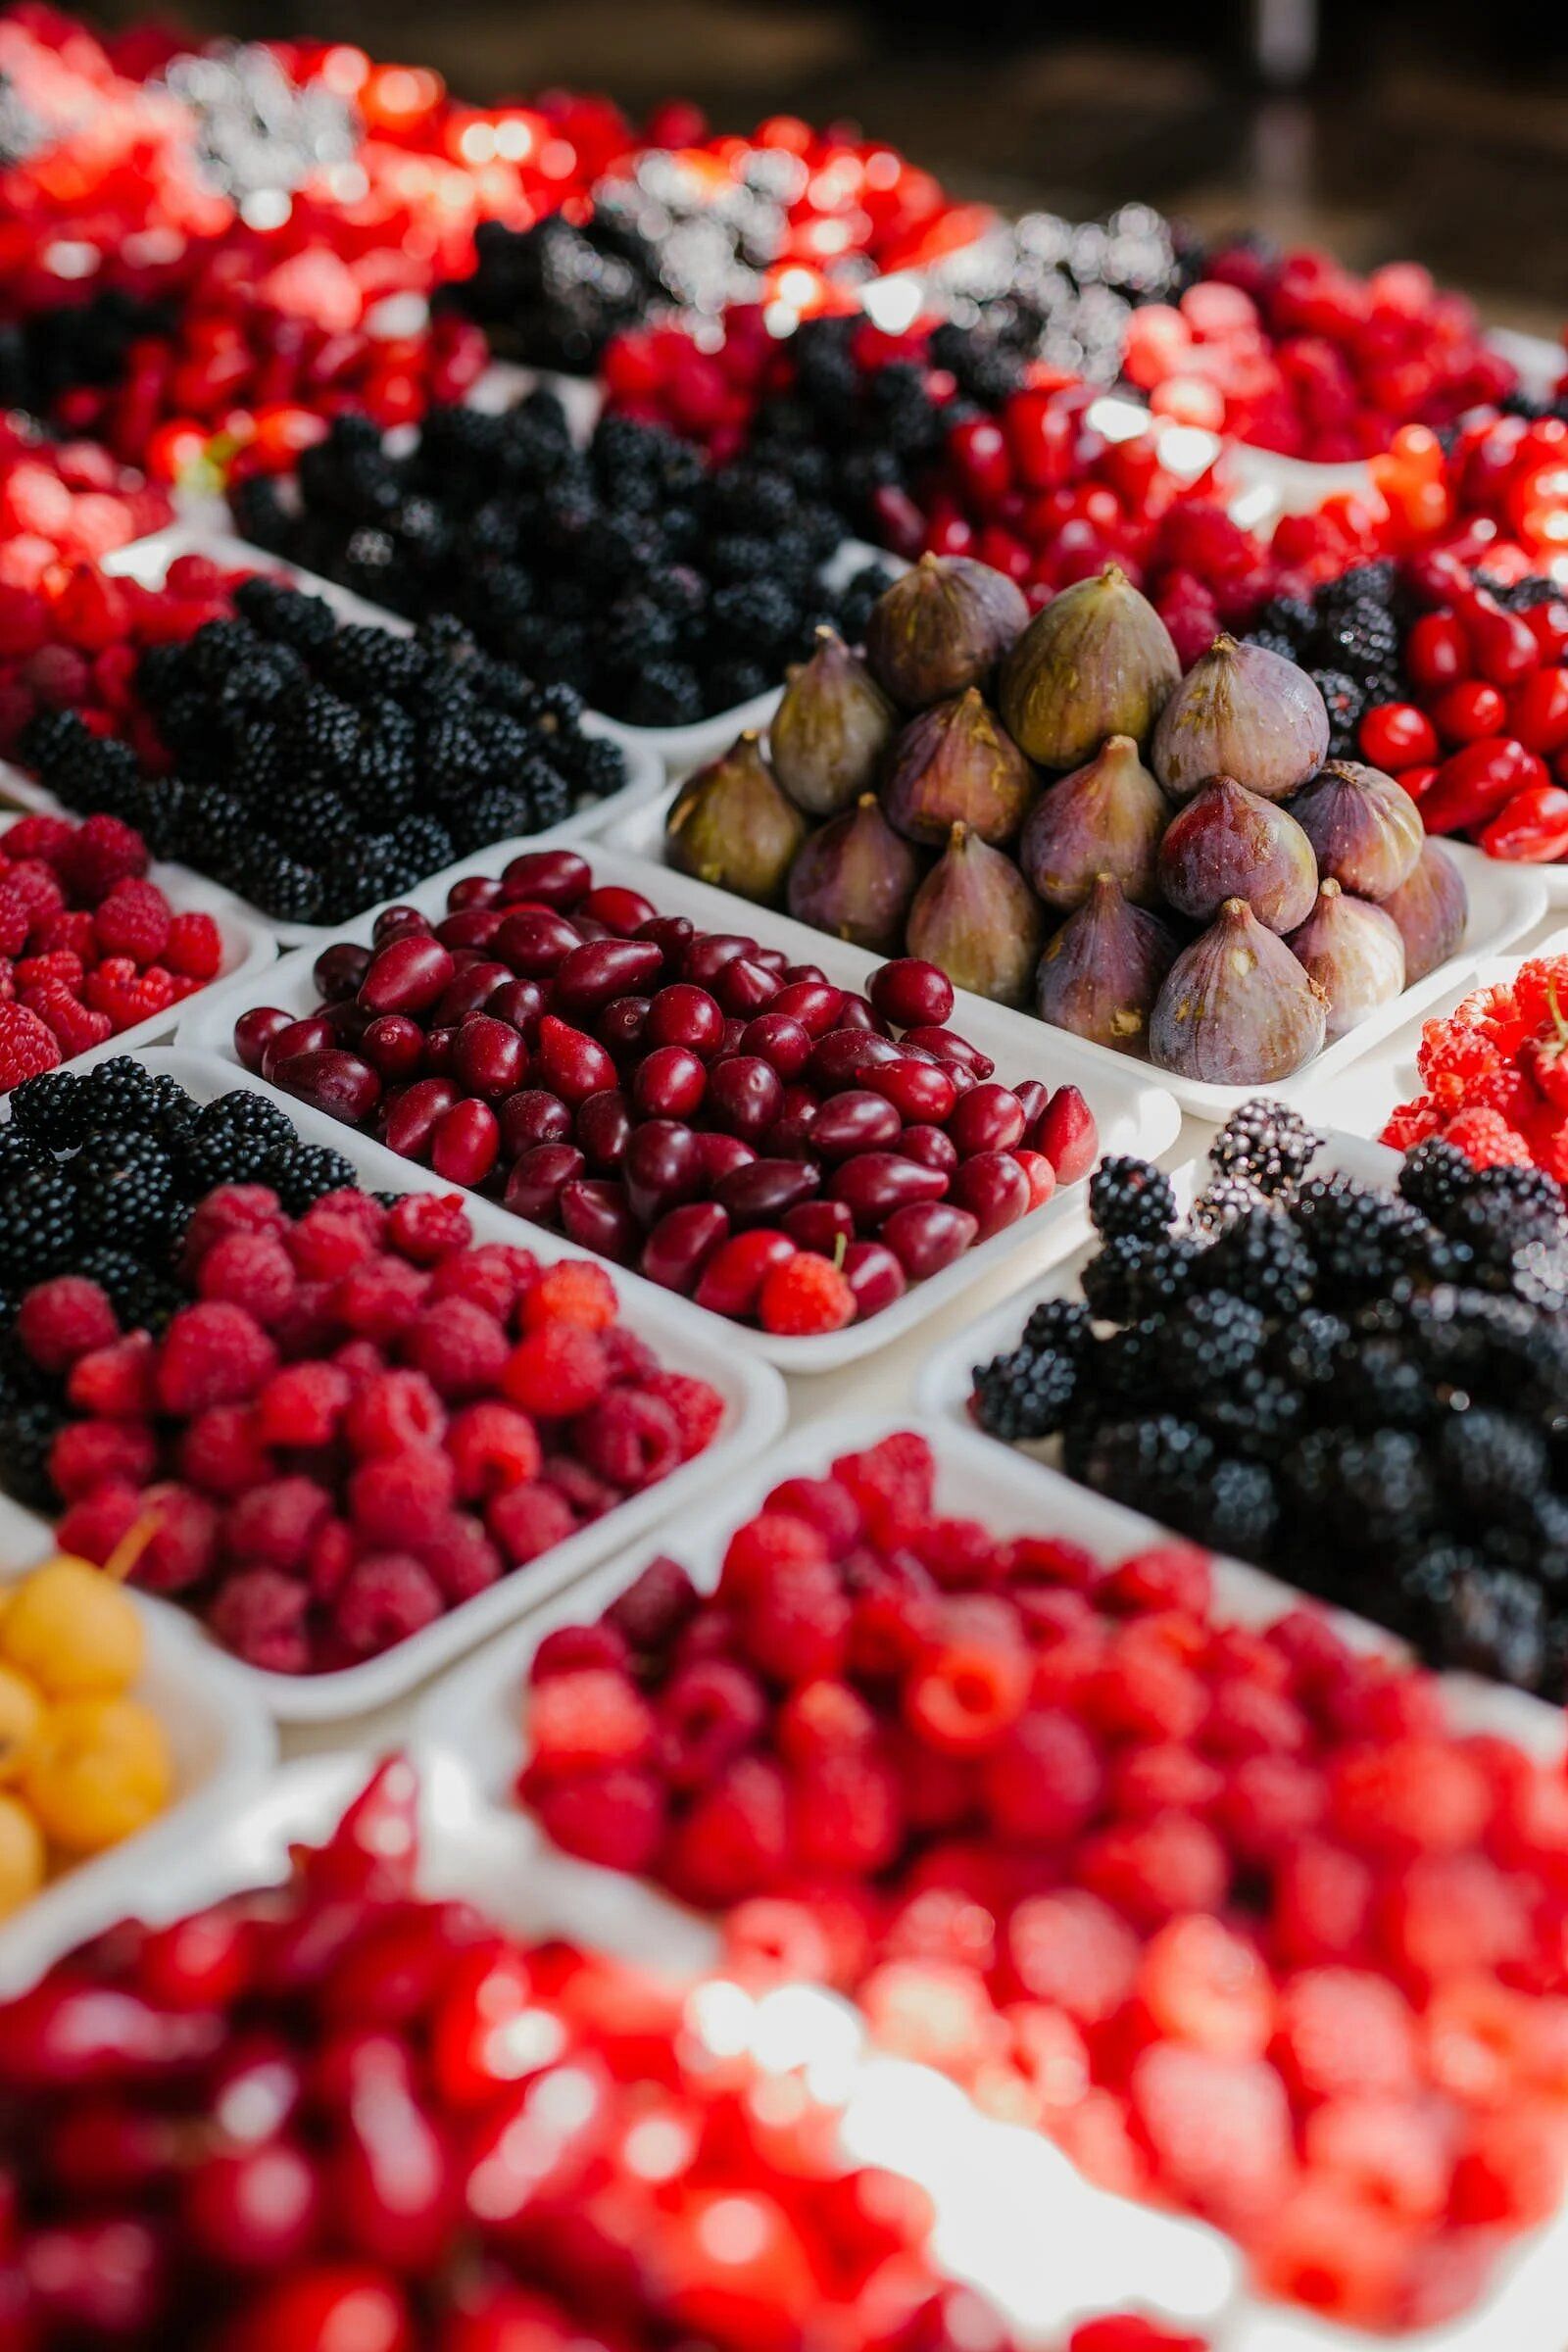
(222, 1740)
(477, 1718)
(1132, 1111)
(249, 948)
(685, 1341)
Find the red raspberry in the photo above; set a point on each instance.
(795, 1618)
(327, 1242)
(385, 1599)
(394, 1411)
(461, 1558)
(1144, 1691)
(58, 968)
(331, 1555)
(38, 886)
(615, 1819)
(103, 852)
(735, 1840)
(182, 1548)
(1386, 2150)
(1343, 2033)
(589, 1721)
(893, 1482)
(653, 1610)
(249, 1270)
(1204, 1985)
(632, 1362)
(772, 1544)
(1415, 1795)
(1486, 1139)
(574, 1293)
(231, 1208)
(277, 1523)
(15, 923)
(214, 1353)
(820, 1719)
(1165, 1576)
(40, 837)
(1329, 2248)
(84, 1453)
(805, 1296)
(96, 1527)
(77, 1029)
(1126, 2331)
(93, 610)
(1218, 2128)
(1154, 1869)
(401, 1498)
(58, 676)
(424, 1227)
(460, 1348)
(529, 1520)
(1448, 1915)
(116, 1383)
(60, 1320)
(302, 1405)
(973, 1680)
(27, 1045)
(381, 1297)
(132, 919)
(1269, 1804)
(708, 1713)
(24, 630)
(846, 1815)
(222, 1451)
(559, 1370)
(1071, 1949)
(194, 947)
(628, 1439)
(349, 1202)
(823, 1504)
(260, 1614)
(570, 1646)
(589, 1495)
(1043, 1782)
(70, 931)
(1514, 2171)
(493, 1276)
(492, 1447)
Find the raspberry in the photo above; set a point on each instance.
(302, 1405)
(1450, 1915)
(708, 1713)
(386, 1597)
(570, 1646)
(893, 1482)
(94, 1527)
(1343, 2033)
(71, 930)
(231, 1208)
(102, 852)
(214, 1353)
(492, 1447)
(222, 1452)
(461, 1558)
(629, 1438)
(458, 1347)
(1165, 1576)
(194, 947)
(846, 1814)
(60, 968)
(1071, 1949)
(1204, 1986)
(401, 1497)
(184, 1546)
(77, 1029)
(1162, 1778)
(615, 1818)
(381, 1297)
(1043, 1782)
(424, 1227)
(589, 1721)
(1219, 2129)
(1154, 1869)
(44, 837)
(822, 1718)
(574, 1293)
(529, 1520)
(1515, 2168)
(27, 1045)
(277, 1522)
(1333, 2251)
(974, 1682)
(60, 1320)
(735, 1840)
(115, 1383)
(331, 1556)
(1415, 1795)
(805, 1297)
(823, 1504)
(588, 1495)
(249, 1270)
(560, 1369)
(929, 2012)
(493, 1276)
(1125, 2332)
(392, 1412)
(795, 1622)
(1386, 2150)
(84, 1453)
(653, 1610)
(260, 1614)
(132, 919)
(15, 923)
(327, 1242)
(1486, 1139)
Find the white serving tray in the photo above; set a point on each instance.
(475, 1719)
(685, 1341)
(222, 1740)
(1132, 1111)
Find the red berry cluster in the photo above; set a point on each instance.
(686, 1101)
(88, 946)
(1507, 473)
(1235, 1915)
(342, 2116)
(362, 1420)
(66, 500)
(1494, 1074)
(1295, 353)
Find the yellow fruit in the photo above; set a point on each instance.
(21, 1857)
(101, 1770)
(73, 1630)
(21, 1718)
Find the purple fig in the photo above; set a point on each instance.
(1237, 1009)
(1365, 828)
(955, 765)
(942, 628)
(1431, 909)
(975, 916)
(1100, 973)
(831, 730)
(1229, 844)
(1354, 953)
(730, 825)
(855, 878)
(1243, 712)
(1097, 660)
(1106, 819)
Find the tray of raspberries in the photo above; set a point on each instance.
(354, 1418)
(1209, 1888)
(100, 949)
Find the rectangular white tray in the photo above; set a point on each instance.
(1134, 1113)
(685, 1341)
(476, 1719)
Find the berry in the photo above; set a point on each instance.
(805, 1297)
(211, 1354)
(27, 1045)
(62, 1320)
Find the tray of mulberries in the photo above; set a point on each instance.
(1210, 1888)
(813, 1144)
(1165, 864)
(666, 593)
(100, 950)
(369, 1428)
(1342, 1367)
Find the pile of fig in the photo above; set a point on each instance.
(1050, 811)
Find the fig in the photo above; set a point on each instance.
(730, 825)
(1237, 1009)
(1097, 661)
(1100, 973)
(855, 878)
(1106, 819)
(1354, 953)
(1243, 712)
(831, 728)
(1228, 843)
(1431, 909)
(944, 626)
(975, 916)
(1365, 828)
(955, 765)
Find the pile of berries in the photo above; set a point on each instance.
(342, 2113)
(553, 294)
(1346, 634)
(1234, 1915)
(1493, 1078)
(686, 1101)
(88, 946)
(321, 767)
(1363, 1389)
(62, 501)
(85, 1764)
(657, 589)
(1508, 471)
(1295, 353)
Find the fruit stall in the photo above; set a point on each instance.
(783, 1247)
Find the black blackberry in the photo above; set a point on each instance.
(1436, 1177)
(38, 1231)
(1362, 638)
(1129, 1196)
(1131, 1277)
(1272, 641)
(120, 1092)
(303, 1174)
(1291, 618)
(1060, 1324)
(125, 1187)
(51, 1110)
(1258, 1417)
(237, 1139)
(141, 1297)
(283, 888)
(1159, 1463)
(363, 661)
(668, 694)
(1024, 1395)
(19, 1152)
(1493, 1464)
(1222, 1201)
(1494, 1623)
(1128, 1372)
(1264, 1261)
(26, 1434)
(1267, 1144)
(1373, 584)
(1345, 701)
(1361, 1240)
(1212, 1340)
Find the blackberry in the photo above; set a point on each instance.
(1345, 702)
(1267, 1144)
(1131, 1277)
(1129, 1196)
(1024, 1395)
(1291, 618)
(303, 1174)
(1494, 1623)
(283, 888)
(237, 1139)
(668, 694)
(1362, 638)
(1374, 584)
(26, 1436)
(50, 1110)
(1361, 1240)
(125, 1187)
(1272, 641)
(1493, 1464)
(140, 1296)
(1436, 1177)
(1222, 1201)
(364, 662)
(39, 1229)
(1212, 1340)
(1062, 1324)
(1258, 1417)
(1264, 1261)
(120, 1092)
(19, 1152)
(1159, 1463)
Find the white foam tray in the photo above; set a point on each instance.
(685, 1342)
(476, 1719)
(249, 948)
(223, 1743)
(1132, 1111)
